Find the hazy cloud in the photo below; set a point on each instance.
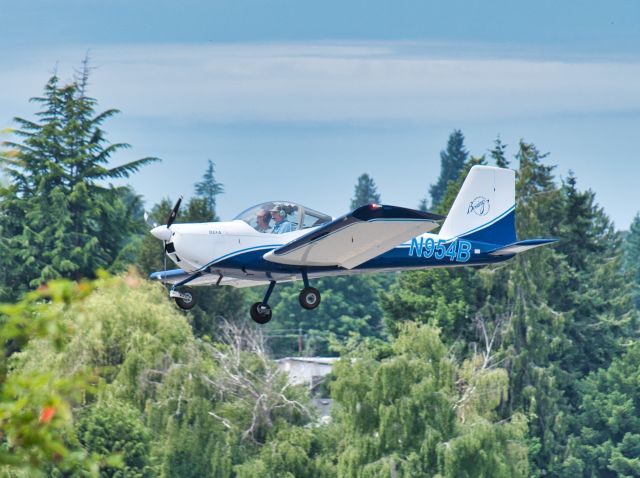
(331, 82)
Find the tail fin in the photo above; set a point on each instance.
(484, 209)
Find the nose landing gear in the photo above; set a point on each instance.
(184, 300)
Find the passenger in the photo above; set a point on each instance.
(282, 225)
(263, 217)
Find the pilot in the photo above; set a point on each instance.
(279, 215)
(263, 217)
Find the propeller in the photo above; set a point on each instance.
(174, 212)
(164, 232)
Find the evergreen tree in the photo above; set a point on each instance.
(60, 219)
(452, 160)
(365, 192)
(632, 255)
(607, 438)
(498, 153)
(208, 189)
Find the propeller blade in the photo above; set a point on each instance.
(174, 212)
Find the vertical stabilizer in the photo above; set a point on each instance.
(484, 209)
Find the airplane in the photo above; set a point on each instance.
(282, 241)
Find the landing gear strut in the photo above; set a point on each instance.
(309, 296)
(309, 299)
(260, 311)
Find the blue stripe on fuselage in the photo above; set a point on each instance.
(397, 258)
(484, 238)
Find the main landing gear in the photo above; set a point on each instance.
(309, 299)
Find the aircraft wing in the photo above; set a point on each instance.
(355, 238)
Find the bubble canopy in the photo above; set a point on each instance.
(262, 217)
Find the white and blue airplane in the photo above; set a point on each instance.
(281, 241)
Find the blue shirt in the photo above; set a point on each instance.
(282, 227)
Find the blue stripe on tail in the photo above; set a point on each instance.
(502, 230)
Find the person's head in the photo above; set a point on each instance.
(262, 218)
(278, 213)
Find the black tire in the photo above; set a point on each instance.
(187, 303)
(261, 314)
(309, 298)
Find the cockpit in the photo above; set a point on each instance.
(278, 217)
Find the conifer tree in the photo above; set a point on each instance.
(208, 189)
(60, 217)
(607, 438)
(498, 153)
(452, 160)
(632, 256)
(365, 192)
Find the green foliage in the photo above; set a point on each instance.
(35, 404)
(112, 428)
(608, 442)
(167, 404)
(294, 452)
(433, 297)
(415, 413)
(59, 220)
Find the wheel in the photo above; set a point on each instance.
(260, 313)
(186, 303)
(309, 298)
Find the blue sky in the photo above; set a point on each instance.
(294, 100)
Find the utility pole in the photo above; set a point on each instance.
(299, 341)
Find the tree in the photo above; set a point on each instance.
(36, 403)
(208, 189)
(498, 153)
(632, 255)
(60, 219)
(452, 160)
(113, 428)
(408, 409)
(607, 438)
(365, 192)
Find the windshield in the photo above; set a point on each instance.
(278, 217)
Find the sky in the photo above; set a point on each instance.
(294, 100)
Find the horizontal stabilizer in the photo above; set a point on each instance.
(355, 238)
(521, 246)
